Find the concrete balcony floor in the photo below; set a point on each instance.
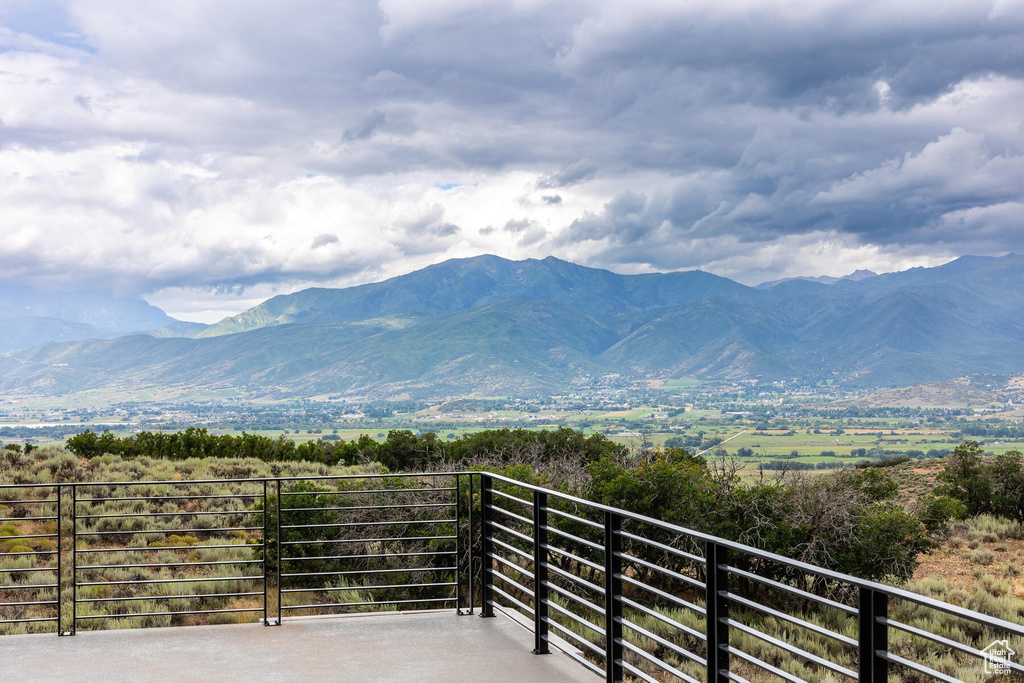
(415, 647)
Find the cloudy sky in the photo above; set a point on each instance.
(210, 154)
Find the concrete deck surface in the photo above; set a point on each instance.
(414, 647)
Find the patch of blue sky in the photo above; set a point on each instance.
(447, 186)
(43, 19)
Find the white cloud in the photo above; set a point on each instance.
(209, 154)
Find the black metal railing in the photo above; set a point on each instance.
(627, 596)
(630, 596)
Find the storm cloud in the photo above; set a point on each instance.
(208, 155)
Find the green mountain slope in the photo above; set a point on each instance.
(460, 284)
(490, 326)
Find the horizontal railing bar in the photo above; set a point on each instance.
(29, 569)
(583, 641)
(764, 665)
(821, 630)
(165, 564)
(141, 581)
(790, 649)
(733, 676)
(30, 552)
(596, 546)
(360, 557)
(664, 619)
(947, 642)
(572, 577)
(513, 515)
(513, 532)
(572, 596)
(516, 584)
(682, 651)
(667, 572)
(572, 655)
(502, 527)
(358, 491)
(365, 604)
(26, 621)
(370, 540)
(577, 618)
(369, 507)
(572, 556)
(34, 602)
(508, 597)
(167, 614)
(369, 571)
(159, 499)
(663, 546)
(662, 594)
(337, 525)
(581, 520)
(206, 513)
(171, 597)
(27, 519)
(366, 588)
(509, 496)
(167, 531)
(35, 501)
(23, 536)
(791, 589)
(637, 672)
(511, 565)
(168, 547)
(28, 586)
(919, 668)
(654, 660)
(508, 546)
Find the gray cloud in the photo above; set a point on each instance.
(147, 147)
(323, 240)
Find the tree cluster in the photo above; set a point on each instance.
(984, 485)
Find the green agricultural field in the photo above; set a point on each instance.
(681, 383)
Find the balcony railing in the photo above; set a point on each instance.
(625, 595)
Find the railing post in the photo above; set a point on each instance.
(60, 563)
(458, 547)
(486, 563)
(279, 547)
(612, 596)
(540, 573)
(74, 559)
(472, 547)
(266, 542)
(874, 636)
(716, 558)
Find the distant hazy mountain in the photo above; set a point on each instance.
(30, 317)
(489, 326)
(856, 276)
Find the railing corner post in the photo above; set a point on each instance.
(872, 606)
(540, 573)
(613, 596)
(717, 606)
(486, 563)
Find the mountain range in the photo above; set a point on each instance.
(490, 326)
